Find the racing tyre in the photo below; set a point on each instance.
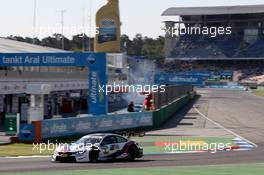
(93, 156)
(132, 152)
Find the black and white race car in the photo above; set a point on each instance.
(98, 147)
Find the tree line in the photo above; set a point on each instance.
(151, 48)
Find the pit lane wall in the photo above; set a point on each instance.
(166, 112)
(69, 127)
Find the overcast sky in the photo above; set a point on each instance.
(137, 16)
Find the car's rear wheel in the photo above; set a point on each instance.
(93, 156)
(132, 152)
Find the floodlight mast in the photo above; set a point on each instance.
(62, 12)
(34, 21)
(90, 25)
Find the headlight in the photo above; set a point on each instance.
(55, 152)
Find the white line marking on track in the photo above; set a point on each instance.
(228, 130)
(25, 157)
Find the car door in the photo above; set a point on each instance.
(109, 146)
(121, 141)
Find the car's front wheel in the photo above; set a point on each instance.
(132, 152)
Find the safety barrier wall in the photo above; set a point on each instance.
(58, 128)
(171, 93)
(162, 115)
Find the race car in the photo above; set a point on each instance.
(98, 147)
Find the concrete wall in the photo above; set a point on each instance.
(164, 114)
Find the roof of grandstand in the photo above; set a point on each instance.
(12, 46)
(214, 10)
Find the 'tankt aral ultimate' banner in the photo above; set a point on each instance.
(96, 62)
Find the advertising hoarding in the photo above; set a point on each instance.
(85, 125)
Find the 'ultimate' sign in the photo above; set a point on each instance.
(96, 62)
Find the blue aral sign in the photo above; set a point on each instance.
(27, 132)
(96, 62)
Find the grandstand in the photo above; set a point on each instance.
(192, 49)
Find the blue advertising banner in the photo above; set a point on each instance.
(27, 132)
(49, 59)
(226, 74)
(204, 74)
(195, 78)
(175, 79)
(96, 62)
(98, 100)
(86, 125)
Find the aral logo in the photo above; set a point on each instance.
(108, 23)
(162, 78)
(91, 59)
(26, 132)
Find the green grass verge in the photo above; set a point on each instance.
(21, 150)
(259, 93)
(147, 142)
(254, 169)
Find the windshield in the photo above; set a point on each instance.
(91, 140)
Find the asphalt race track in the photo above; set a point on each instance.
(238, 111)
